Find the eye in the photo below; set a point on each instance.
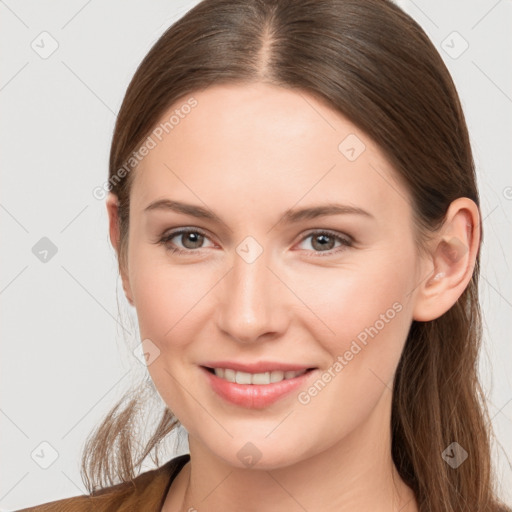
(191, 239)
(323, 242)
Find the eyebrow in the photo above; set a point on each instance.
(289, 217)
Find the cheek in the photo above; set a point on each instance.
(375, 294)
(368, 314)
(157, 307)
(168, 299)
(370, 322)
(165, 295)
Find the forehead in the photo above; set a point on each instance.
(264, 146)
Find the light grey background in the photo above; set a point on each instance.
(66, 353)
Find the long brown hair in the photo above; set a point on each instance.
(374, 64)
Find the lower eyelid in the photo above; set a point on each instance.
(165, 239)
(345, 243)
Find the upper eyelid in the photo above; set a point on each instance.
(171, 233)
(186, 229)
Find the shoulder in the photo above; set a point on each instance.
(146, 492)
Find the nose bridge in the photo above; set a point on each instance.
(248, 307)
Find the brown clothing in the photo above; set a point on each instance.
(145, 493)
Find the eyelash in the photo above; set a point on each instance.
(345, 242)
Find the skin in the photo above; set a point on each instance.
(249, 153)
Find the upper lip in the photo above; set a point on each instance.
(259, 367)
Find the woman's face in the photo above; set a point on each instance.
(259, 282)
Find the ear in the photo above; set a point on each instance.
(453, 255)
(115, 239)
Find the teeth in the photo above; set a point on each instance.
(255, 378)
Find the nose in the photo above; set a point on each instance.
(251, 305)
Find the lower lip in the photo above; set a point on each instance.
(255, 396)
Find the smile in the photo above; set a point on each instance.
(239, 377)
(256, 390)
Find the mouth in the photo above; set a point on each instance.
(259, 378)
(256, 390)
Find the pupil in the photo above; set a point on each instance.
(196, 238)
(323, 241)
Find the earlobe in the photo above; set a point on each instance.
(112, 204)
(452, 261)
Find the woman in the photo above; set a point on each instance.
(293, 203)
